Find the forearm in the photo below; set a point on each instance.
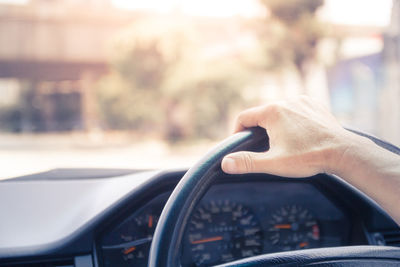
(373, 170)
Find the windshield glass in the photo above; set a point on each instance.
(154, 84)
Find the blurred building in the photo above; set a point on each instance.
(389, 107)
(51, 53)
(355, 84)
(362, 83)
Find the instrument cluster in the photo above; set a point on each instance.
(235, 221)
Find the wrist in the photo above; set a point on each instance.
(346, 153)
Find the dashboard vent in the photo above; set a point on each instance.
(392, 238)
(50, 263)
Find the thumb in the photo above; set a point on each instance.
(242, 162)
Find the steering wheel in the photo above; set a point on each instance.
(167, 240)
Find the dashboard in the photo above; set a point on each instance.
(100, 218)
(235, 220)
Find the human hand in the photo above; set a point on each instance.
(305, 139)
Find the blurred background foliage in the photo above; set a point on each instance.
(162, 81)
(291, 34)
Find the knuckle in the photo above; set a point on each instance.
(240, 117)
(273, 110)
(307, 101)
(304, 98)
(248, 162)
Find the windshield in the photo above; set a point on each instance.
(154, 84)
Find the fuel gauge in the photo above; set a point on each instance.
(129, 245)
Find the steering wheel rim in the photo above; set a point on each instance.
(194, 184)
(167, 239)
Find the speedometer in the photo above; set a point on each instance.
(293, 227)
(222, 231)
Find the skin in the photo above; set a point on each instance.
(305, 139)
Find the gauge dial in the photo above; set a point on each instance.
(131, 244)
(223, 231)
(293, 227)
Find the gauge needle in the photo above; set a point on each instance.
(206, 240)
(283, 226)
(150, 224)
(129, 244)
(129, 250)
(303, 244)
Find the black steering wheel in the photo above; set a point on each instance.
(167, 240)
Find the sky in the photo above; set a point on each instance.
(374, 13)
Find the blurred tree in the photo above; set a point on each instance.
(132, 96)
(210, 94)
(290, 34)
(162, 83)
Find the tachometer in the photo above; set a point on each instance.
(223, 231)
(293, 227)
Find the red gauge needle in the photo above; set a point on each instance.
(283, 226)
(303, 244)
(206, 240)
(129, 250)
(150, 224)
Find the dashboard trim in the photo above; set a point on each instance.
(371, 217)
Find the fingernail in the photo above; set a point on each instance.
(228, 165)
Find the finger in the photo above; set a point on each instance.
(260, 116)
(274, 161)
(249, 118)
(243, 162)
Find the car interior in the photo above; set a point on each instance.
(112, 217)
(108, 106)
